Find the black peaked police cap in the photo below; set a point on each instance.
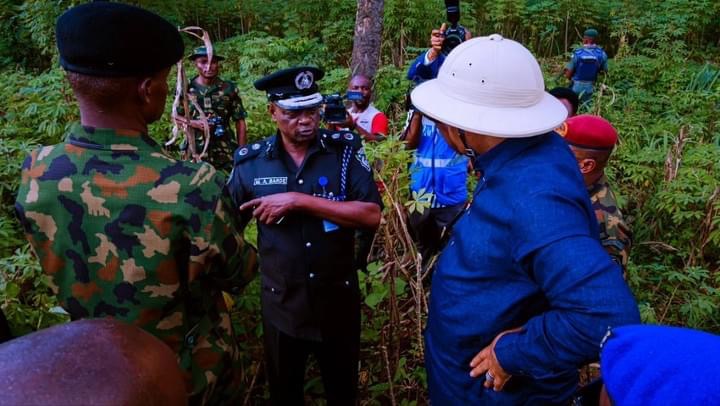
(114, 40)
(290, 83)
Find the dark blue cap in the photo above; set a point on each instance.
(290, 83)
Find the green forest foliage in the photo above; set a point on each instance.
(662, 93)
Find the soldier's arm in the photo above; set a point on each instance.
(570, 68)
(604, 65)
(239, 115)
(220, 246)
(241, 131)
(617, 242)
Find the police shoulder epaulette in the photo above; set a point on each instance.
(249, 151)
(341, 138)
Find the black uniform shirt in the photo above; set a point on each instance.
(309, 286)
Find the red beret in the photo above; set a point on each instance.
(588, 131)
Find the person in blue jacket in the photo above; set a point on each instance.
(523, 293)
(438, 173)
(586, 64)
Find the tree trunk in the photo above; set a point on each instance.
(368, 37)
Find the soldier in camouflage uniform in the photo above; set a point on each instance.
(219, 99)
(123, 230)
(592, 139)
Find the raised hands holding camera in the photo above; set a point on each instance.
(437, 36)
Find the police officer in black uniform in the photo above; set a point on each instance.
(309, 190)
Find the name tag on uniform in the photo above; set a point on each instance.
(278, 180)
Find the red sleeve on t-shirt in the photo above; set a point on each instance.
(379, 124)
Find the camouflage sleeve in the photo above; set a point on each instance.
(617, 240)
(220, 248)
(238, 111)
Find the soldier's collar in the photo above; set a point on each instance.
(599, 184)
(217, 84)
(110, 139)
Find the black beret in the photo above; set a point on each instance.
(567, 94)
(291, 82)
(114, 39)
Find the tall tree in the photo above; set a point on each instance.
(368, 37)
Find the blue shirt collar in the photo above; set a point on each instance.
(493, 160)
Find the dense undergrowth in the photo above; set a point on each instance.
(662, 93)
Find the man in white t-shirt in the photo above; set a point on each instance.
(365, 119)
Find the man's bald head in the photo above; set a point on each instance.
(100, 361)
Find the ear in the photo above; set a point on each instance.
(144, 89)
(271, 109)
(587, 165)
(452, 137)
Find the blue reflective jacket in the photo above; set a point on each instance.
(438, 169)
(525, 254)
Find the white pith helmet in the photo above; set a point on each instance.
(492, 86)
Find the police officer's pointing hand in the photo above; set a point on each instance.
(272, 208)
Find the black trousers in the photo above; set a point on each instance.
(286, 358)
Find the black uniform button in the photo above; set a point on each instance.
(308, 244)
(300, 181)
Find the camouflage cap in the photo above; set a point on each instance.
(112, 39)
(202, 51)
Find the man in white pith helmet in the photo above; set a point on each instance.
(521, 295)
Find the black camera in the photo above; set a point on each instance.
(218, 127)
(334, 111)
(456, 33)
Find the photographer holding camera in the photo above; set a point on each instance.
(437, 169)
(362, 116)
(220, 101)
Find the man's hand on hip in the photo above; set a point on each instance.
(485, 362)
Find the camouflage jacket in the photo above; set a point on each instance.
(126, 232)
(222, 100)
(615, 235)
